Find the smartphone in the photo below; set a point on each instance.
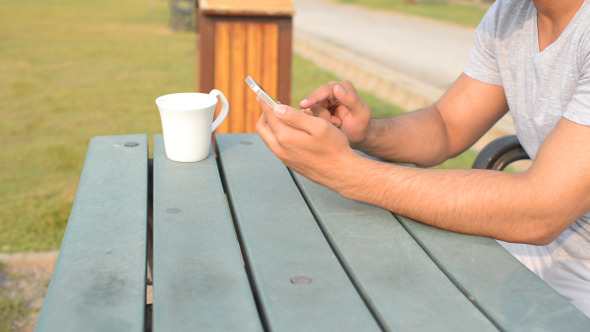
(260, 92)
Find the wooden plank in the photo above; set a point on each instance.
(270, 62)
(237, 74)
(205, 53)
(99, 278)
(222, 68)
(199, 279)
(254, 65)
(510, 294)
(407, 291)
(300, 284)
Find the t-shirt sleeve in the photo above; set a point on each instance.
(578, 110)
(482, 64)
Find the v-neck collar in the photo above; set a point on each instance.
(566, 31)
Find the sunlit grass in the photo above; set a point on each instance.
(14, 310)
(464, 14)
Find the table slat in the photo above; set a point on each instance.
(200, 283)
(510, 294)
(99, 279)
(300, 284)
(406, 289)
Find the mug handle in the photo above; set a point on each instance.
(224, 108)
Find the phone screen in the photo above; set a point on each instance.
(260, 92)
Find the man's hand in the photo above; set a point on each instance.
(307, 144)
(339, 104)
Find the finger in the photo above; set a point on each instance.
(295, 119)
(336, 120)
(269, 137)
(278, 131)
(263, 130)
(320, 111)
(324, 113)
(324, 92)
(346, 94)
(269, 115)
(348, 86)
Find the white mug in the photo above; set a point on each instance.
(187, 123)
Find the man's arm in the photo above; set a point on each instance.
(532, 207)
(429, 136)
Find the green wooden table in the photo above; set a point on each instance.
(240, 243)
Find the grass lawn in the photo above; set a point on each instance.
(14, 310)
(464, 14)
(72, 70)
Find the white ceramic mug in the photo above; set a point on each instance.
(187, 123)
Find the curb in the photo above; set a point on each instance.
(30, 260)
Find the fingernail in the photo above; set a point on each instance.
(340, 90)
(280, 108)
(304, 102)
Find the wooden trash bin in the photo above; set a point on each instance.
(239, 38)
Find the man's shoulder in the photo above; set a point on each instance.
(512, 7)
(506, 16)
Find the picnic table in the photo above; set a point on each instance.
(239, 242)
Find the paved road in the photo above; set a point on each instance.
(432, 52)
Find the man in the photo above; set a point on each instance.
(531, 57)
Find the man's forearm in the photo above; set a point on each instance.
(510, 207)
(418, 137)
(430, 136)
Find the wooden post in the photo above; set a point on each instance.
(239, 39)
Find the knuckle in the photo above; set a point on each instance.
(258, 127)
(323, 127)
(281, 138)
(348, 86)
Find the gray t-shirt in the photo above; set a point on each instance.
(541, 87)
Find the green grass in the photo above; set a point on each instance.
(75, 69)
(464, 14)
(14, 310)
